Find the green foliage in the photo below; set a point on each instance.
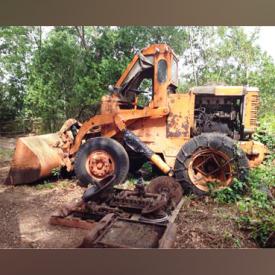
(266, 137)
(147, 166)
(55, 77)
(45, 185)
(73, 67)
(51, 82)
(15, 53)
(230, 194)
(256, 205)
(267, 121)
(221, 55)
(257, 208)
(56, 172)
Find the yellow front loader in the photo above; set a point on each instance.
(199, 137)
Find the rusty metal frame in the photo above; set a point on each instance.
(211, 154)
(70, 221)
(118, 120)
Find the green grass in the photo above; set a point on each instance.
(46, 185)
(257, 208)
(254, 202)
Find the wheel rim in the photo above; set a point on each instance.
(100, 164)
(209, 166)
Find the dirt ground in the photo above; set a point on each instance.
(202, 223)
(25, 212)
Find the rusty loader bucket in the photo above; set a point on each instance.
(34, 158)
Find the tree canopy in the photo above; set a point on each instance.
(55, 76)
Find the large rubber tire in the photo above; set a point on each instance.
(218, 142)
(110, 146)
(217, 127)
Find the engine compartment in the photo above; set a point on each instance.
(219, 114)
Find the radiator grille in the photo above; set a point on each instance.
(255, 102)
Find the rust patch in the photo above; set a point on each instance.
(100, 164)
(114, 232)
(210, 166)
(172, 129)
(177, 126)
(185, 127)
(167, 185)
(35, 157)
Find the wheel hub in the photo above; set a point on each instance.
(209, 166)
(100, 164)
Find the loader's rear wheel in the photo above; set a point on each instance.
(208, 161)
(100, 158)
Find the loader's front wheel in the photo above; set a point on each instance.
(210, 161)
(100, 158)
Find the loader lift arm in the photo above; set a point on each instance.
(118, 120)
